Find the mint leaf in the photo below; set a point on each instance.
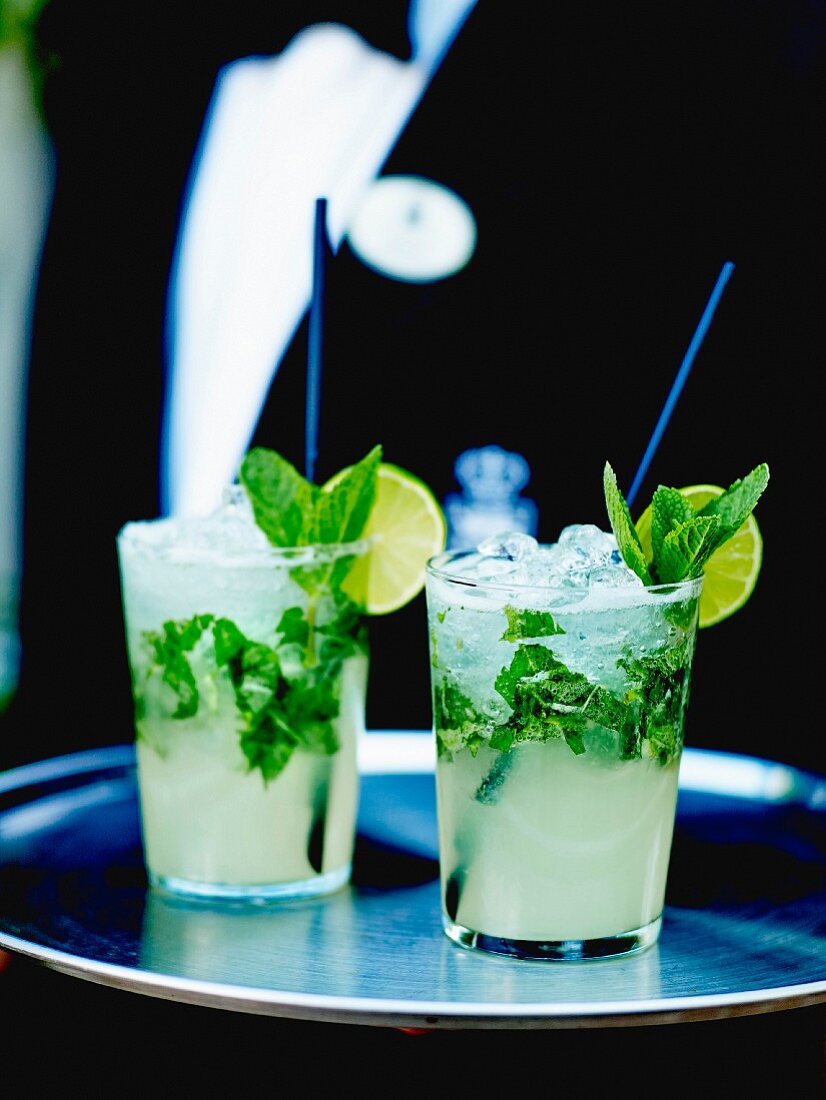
(529, 624)
(279, 714)
(294, 628)
(343, 509)
(549, 700)
(291, 511)
(553, 701)
(254, 668)
(169, 650)
(283, 502)
(681, 541)
(737, 503)
(623, 527)
(344, 635)
(311, 705)
(457, 722)
(664, 741)
(657, 693)
(687, 548)
(229, 641)
(526, 663)
(669, 509)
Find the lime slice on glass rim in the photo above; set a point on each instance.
(406, 527)
(731, 572)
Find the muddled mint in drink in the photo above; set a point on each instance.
(559, 644)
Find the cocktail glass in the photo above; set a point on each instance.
(249, 672)
(558, 715)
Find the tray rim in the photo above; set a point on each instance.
(412, 755)
(388, 1012)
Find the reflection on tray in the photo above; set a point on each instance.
(743, 923)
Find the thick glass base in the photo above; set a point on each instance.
(257, 894)
(604, 947)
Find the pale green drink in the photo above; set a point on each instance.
(560, 683)
(249, 670)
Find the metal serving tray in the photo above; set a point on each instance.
(743, 929)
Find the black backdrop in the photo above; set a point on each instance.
(614, 156)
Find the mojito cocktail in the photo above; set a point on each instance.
(560, 678)
(247, 641)
(249, 671)
(560, 684)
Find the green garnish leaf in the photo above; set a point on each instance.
(523, 624)
(283, 502)
(623, 527)
(345, 635)
(229, 641)
(669, 509)
(292, 511)
(738, 501)
(682, 541)
(574, 740)
(502, 738)
(657, 695)
(342, 509)
(687, 548)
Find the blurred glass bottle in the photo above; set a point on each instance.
(491, 479)
(26, 173)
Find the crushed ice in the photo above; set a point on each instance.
(584, 557)
(230, 529)
(509, 546)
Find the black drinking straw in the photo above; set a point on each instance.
(679, 381)
(315, 338)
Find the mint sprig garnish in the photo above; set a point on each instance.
(283, 502)
(686, 548)
(292, 511)
(342, 510)
(623, 527)
(737, 502)
(682, 539)
(669, 509)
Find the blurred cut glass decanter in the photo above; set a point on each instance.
(489, 503)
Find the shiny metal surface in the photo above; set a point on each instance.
(743, 929)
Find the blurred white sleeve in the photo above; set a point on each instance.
(317, 120)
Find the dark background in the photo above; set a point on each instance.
(107, 1042)
(614, 157)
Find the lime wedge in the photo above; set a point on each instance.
(406, 527)
(731, 572)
